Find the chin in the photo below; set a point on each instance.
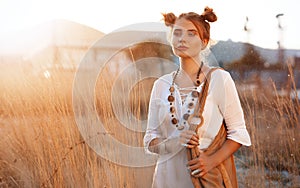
(181, 54)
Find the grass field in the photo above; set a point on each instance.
(41, 146)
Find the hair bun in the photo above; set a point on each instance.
(169, 19)
(209, 15)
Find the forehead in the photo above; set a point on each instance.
(185, 24)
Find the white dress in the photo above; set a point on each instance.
(222, 102)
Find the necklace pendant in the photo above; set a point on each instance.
(180, 127)
(194, 121)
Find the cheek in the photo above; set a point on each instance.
(198, 45)
(174, 41)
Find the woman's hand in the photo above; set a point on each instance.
(201, 165)
(189, 139)
(204, 163)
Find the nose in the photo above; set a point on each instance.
(181, 38)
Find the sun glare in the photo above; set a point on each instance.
(17, 17)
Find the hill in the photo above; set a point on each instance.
(229, 51)
(52, 33)
(66, 34)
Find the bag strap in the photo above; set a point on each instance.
(202, 98)
(194, 152)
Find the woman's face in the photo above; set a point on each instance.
(185, 40)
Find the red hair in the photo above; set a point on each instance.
(201, 22)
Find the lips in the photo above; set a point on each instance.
(182, 48)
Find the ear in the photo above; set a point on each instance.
(205, 42)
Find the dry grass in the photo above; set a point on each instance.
(40, 143)
(41, 146)
(273, 123)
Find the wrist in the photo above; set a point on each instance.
(216, 160)
(154, 145)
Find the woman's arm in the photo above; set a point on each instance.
(227, 98)
(153, 133)
(205, 163)
(154, 145)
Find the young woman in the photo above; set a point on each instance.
(195, 120)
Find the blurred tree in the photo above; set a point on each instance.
(152, 49)
(251, 60)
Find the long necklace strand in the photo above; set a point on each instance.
(171, 99)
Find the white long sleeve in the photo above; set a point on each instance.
(222, 102)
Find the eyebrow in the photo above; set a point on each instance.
(193, 30)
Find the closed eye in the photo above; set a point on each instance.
(177, 32)
(192, 33)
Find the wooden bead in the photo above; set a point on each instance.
(186, 116)
(195, 93)
(170, 98)
(174, 121)
(172, 89)
(172, 109)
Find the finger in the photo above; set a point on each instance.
(196, 135)
(190, 142)
(184, 144)
(194, 167)
(193, 162)
(185, 138)
(193, 143)
(193, 136)
(201, 174)
(189, 146)
(183, 141)
(194, 139)
(196, 171)
(188, 137)
(198, 175)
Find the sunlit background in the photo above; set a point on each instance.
(52, 92)
(18, 17)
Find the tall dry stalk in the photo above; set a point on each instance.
(41, 146)
(273, 123)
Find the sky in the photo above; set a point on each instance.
(107, 16)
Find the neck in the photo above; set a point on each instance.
(190, 66)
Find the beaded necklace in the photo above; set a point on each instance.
(191, 105)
